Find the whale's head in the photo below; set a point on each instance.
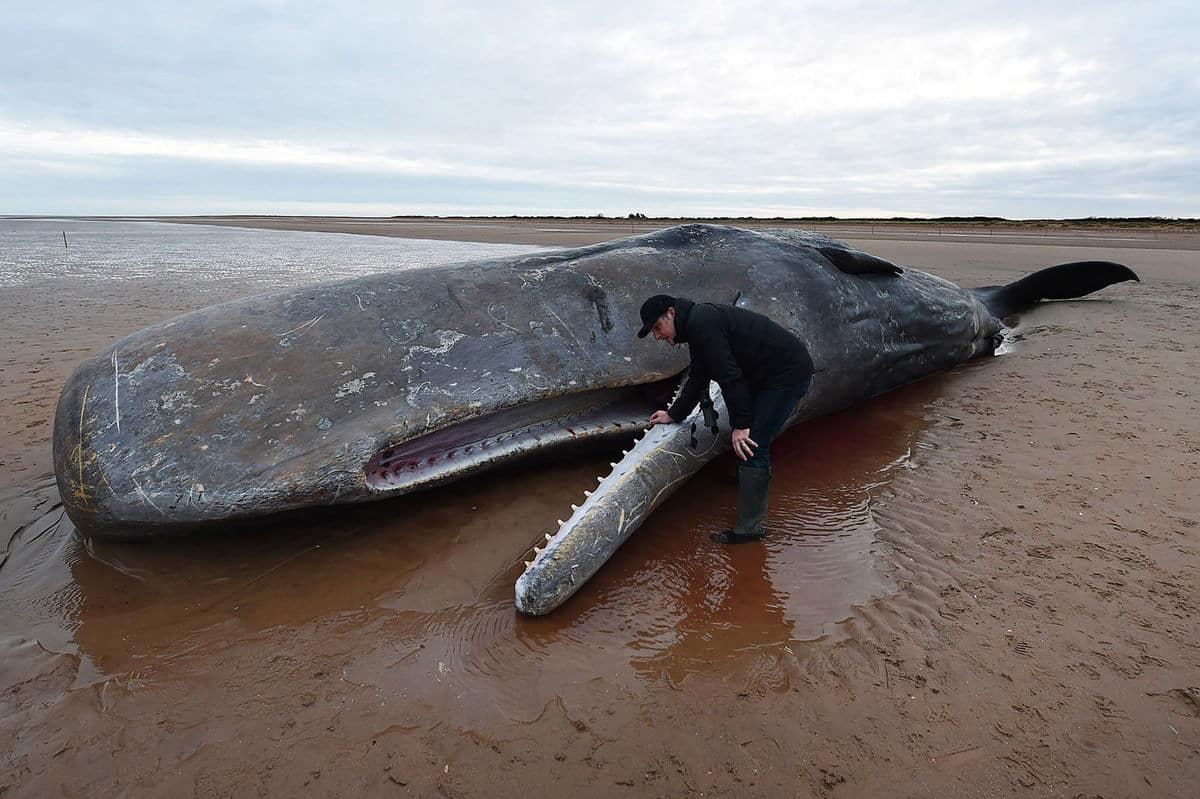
(373, 387)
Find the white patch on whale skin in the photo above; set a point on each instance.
(413, 396)
(446, 340)
(538, 273)
(176, 400)
(354, 386)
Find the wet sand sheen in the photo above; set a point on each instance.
(445, 562)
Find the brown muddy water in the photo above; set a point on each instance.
(425, 582)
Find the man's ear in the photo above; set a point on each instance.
(671, 313)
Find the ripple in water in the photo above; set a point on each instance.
(423, 584)
(672, 603)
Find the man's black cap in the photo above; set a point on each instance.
(653, 308)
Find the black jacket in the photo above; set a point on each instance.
(744, 351)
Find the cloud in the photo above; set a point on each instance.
(1020, 109)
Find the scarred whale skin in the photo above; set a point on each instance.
(343, 392)
(279, 401)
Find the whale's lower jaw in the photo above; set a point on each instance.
(657, 464)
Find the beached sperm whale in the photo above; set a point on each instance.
(378, 386)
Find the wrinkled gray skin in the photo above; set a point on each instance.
(866, 333)
(289, 399)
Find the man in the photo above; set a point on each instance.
(763, 371)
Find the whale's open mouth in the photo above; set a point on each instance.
(487, 441)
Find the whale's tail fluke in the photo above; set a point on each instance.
(1062, 282)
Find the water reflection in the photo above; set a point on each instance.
(670, 603)
(734, 610)
(400, 591)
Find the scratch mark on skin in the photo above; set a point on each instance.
(116, 390)
(104, 477)
(81, 487)
(146, 497)
(570, 332)
(300, 328)
(502, 322)
(669, 486)
(360, 305)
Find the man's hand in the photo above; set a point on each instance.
(660, 417)
(742, 443)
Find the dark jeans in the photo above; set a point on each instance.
(772, 407)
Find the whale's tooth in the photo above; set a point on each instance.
(613, 465)
(548, 536)
(599, 478)
(538, 550)
(624, 452)
(560, 522)
(587, 493)
(528, 563)
(574, 507)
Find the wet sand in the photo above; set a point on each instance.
(982, 584)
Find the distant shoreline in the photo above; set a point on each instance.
(579, 231)
(1182, 224)
(1183, 234)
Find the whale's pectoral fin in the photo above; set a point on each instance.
(853, 262)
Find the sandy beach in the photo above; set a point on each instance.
(985, 584)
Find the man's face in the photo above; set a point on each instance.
(664, 327)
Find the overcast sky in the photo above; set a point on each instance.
(1017, 109)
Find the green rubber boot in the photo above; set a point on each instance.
(754, 488)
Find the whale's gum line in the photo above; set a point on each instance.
(486, 442)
